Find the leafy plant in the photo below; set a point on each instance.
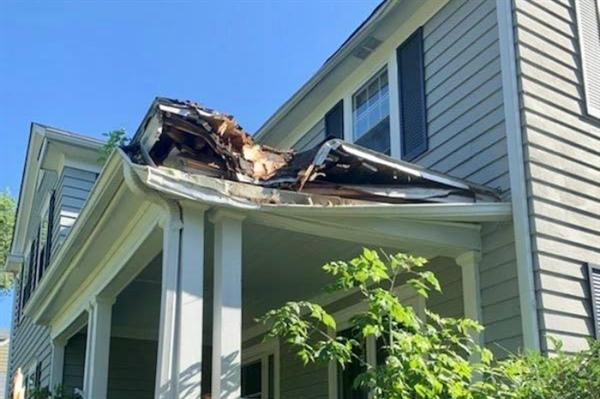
(424, 358)
(46, 393)
(560, 376)
(7, 222)
(115, 138)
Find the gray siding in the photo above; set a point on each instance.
(132, 367)
(72, 191)
(499, 290)
(301, 382)
(313, 137)
(562, 161)
(465, 114)
(31, 342)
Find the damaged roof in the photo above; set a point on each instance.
(196, 140)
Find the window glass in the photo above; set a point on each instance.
(371, 114)
(348, 375)
(252, 380)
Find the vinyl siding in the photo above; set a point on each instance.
(562, 161)
(32, 342)
(499, 290)
(132, 367)
(72, 191)
(312, 138)
(465, 112)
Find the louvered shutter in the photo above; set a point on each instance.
(589, 46)
(411, 81)
(50, 229)
(334, 121)
(594, 274)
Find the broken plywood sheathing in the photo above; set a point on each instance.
(187, 137)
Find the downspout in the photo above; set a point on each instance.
(518, 189)
(166, 384)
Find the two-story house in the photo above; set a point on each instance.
(465, 131)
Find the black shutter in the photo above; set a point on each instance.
(334, 122)
(413, 113)
(594, 277)
(49, 231)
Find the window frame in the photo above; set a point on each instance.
(261, 352)
(590, 110)
(405, 293)
(365, 87)
(388, 64)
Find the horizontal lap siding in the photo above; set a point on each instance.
(465, 112)
(72, 191)
(562, 156)
(298, 381)
(500, 290)
(32, 342)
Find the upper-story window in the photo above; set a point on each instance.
(371, 114)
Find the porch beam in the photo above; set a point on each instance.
(469, 263)
(98, 348)
(227, 306)
(419, 237)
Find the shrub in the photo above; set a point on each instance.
(425, 359)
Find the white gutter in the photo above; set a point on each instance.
(518, 189)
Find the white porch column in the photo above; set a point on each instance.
(58, 361)
(98, 348)
(469, 263)
(190, 302)
(227, 306)
(165, 386)
(179, 363)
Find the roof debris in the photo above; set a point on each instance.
(185, 136)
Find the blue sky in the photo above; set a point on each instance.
(94, 66)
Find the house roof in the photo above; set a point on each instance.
(186, 137)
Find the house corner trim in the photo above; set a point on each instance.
(514, 139)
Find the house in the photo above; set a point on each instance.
(4, 343)
(464, 131)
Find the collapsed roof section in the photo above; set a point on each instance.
(185, 136)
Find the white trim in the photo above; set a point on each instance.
(518, 189)
(58, 362)
(394, 95)
(227, 307)
(469, 264)
(97, 348)
(262, 351)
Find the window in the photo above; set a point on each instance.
(588, 14)
(347, 376)
(371, 114)
(260, 371)
(252, 380)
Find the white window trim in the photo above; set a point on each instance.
(392, 93)
(405, 293)
(262, 351)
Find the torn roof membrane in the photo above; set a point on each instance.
(185, 136)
